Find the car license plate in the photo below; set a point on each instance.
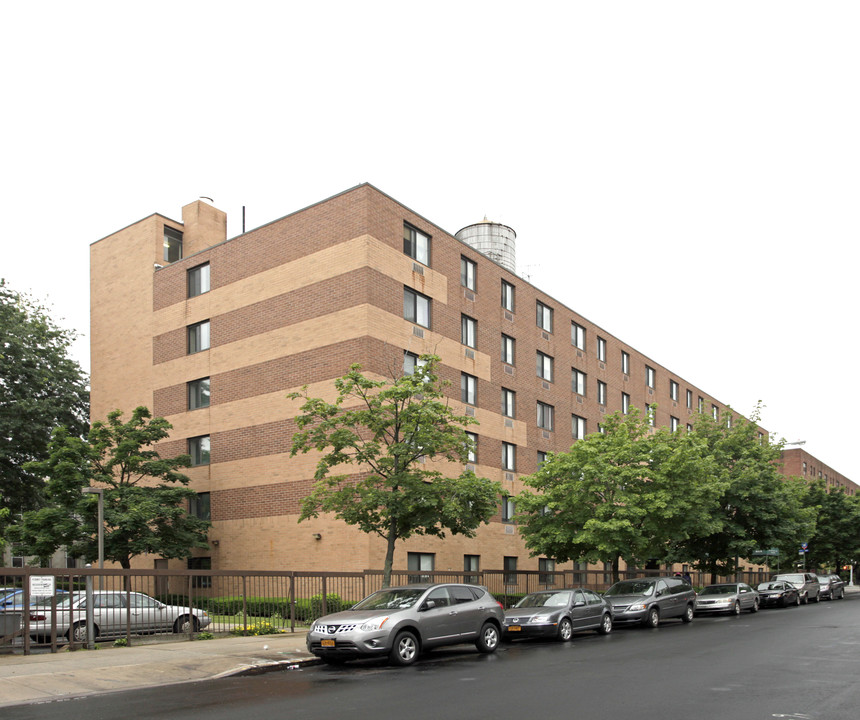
(327, 643)
(514, 628)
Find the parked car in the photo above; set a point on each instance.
(651, 600)
(777, 593)
(111, 615)
(832, 587)
(727, 598)
(558, 614)
(401, 622)
(806, 584)
(15, 600)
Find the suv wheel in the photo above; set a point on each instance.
(817, 598)
(488, 638)
(797, 600)
(754, 607)
(405, 649)
(805, 598)
(736, 610)
(689, 612)
(652, 619)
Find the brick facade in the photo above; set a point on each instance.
(295, 303)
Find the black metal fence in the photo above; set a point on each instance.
(240, 602)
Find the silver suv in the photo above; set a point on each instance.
(401, 622)
(806, 583)
(650, 600)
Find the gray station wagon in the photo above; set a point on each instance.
(649, 601)
(400, 622)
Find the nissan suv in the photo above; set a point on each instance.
(806, 583)
(648, 601)
(400, 622)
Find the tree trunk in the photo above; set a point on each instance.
(616, 563)
(389, 554)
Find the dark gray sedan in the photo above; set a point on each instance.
(558, 614)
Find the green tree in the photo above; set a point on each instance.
(391, 432)
(145, 497)
(835, 541)
(41, 387)
(758, 508)
(626, 493)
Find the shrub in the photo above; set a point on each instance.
(262, 628)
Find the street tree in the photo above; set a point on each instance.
(758, 509)
(835, 541)
(624, 493)
(145, 496)
(41, 387)
(392, 434)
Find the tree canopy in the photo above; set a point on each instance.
(145, 495)
(41, 387)
(391, 433)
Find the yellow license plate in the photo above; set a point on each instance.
(327, 643)
(514, 628)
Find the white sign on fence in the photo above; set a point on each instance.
(42, 585)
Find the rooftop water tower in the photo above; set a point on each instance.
(496, 241)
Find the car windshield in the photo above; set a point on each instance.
(795, 579)
(719, 590)
(396, 599)
(771, 586)
(544, 599)
(46, 601)
(632, 587)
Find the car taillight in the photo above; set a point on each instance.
(37, 618)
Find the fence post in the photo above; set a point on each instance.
(91, 631)
(324, 593)
(292, 601)
(244, 605)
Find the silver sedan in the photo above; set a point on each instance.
(727, 598)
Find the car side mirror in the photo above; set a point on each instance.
(579, 603)
(428, 605)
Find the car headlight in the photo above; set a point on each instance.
(373, 624)
(637, 606)
(542, 618)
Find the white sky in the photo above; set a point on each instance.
(684, 174)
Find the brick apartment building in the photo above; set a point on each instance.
(796, 462)
(214, 333)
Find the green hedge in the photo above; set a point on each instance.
(307, 609)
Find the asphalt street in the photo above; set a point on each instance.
(798, 663)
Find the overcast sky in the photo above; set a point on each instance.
(684, 174)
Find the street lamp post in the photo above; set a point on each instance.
(101, 493)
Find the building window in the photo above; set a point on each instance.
(198, 449)
(198, 337)
(577, 336)
(509, 404)
(198, 394)
(416, 244)
(651, 415)
(198, 280)
(544, 317)
(689, 427)
(601, 392)
(580, 576)
(625, 403)
(200, 563)
(578, 427)
(673, 390)
(468, 331)
(689, 399)
(509, 456)
(541, 458)
(416, 307)
(508, 291)
(625, 362)
(472, 453)
(172, 245)
(199, 506)
(544, 366)
(546, 571)
(510, 564)
(715, 411)
(468, 389)
(468, 269)
(649, 376)
(577, 383)
(601, 349)
(674, 423)
(544, 416)
(471, 564)
(509, 509)
(701, 404)
(417, 562)
(410, 362)
(508, 346)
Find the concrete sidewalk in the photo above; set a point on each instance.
(63, 675)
